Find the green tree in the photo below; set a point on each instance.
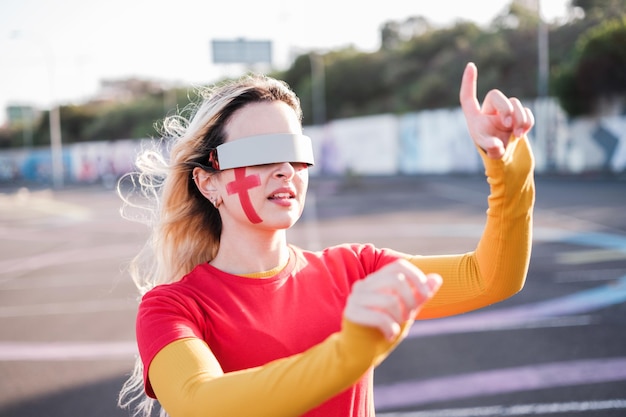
(417, 67)
(516, 15)
(601, 8)
(597, 71)
(393, 33)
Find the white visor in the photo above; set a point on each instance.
(265, 149)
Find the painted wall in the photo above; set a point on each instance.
(426, 142)
(83, 163)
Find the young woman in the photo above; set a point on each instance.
(234, 321)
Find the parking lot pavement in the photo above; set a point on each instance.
(557, 348)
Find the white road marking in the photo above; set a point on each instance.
(77, 307)
(590, 256)
(69, 256)
(25, 201)
(66, 351)
(533, 377)
(518, 409)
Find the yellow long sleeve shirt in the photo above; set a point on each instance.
(189, 380)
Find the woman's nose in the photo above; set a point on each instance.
(285, 171)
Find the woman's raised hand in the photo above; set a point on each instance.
(500, 117)
(390, 296)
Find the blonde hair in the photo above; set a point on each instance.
(185, 226)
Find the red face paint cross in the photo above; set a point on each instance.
(240, 185)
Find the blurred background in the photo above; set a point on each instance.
(84, 84)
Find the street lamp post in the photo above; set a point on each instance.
(544, 129)
(318, 83)
(54, 115)
(56, 146)
(542, 54)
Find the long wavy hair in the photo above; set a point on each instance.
(184, 226)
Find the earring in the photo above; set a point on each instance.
(215, 201)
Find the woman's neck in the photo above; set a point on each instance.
(252, 254)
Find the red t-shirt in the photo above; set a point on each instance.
(248, 322)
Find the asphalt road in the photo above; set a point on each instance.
(557, 348)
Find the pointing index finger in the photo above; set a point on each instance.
(467, 94)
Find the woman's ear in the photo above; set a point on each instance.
(204, 183)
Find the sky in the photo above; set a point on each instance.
(58, 51)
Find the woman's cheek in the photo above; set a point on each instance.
(241, 186)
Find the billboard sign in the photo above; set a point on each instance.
(242, 51)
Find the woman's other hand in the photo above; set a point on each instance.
(390, 296)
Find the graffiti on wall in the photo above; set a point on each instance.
(83, 163)
(426, 142)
